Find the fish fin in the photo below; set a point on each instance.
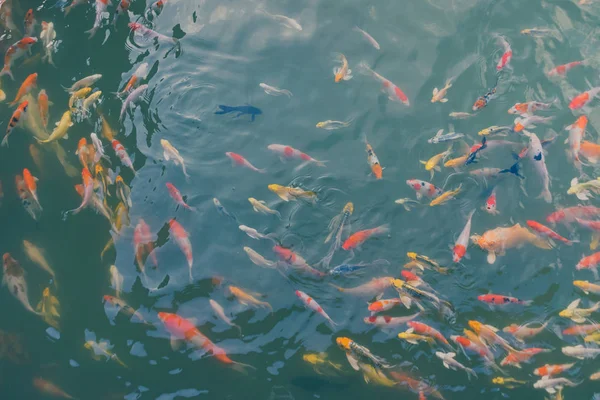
(352, 361)
(574, 181)
(412, 341)
(446, 364)
(451, 355)
(66, 136)
(175, 343)
(491, 257)
(444, 100)
(423, 162)
(166, 156)
(574, 304)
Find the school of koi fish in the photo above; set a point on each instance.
(402, 302)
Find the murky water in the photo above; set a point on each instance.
(224, 51)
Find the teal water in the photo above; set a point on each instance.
(225, 50)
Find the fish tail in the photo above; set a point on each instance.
(514, 169)
(241, 367)
(382, 229)
(339, 288)
(6, 71)
(470, 373)
(546, 195)
(5, 141)
(527, 302)
(224, 109)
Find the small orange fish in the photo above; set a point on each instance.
(29, 83)
(31, 182)
(43, 104)
(14, 120)
(83, 153)
(360, 237)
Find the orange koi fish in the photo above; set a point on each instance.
(296, 261)
(583, 99)
(515, 358)
(423, 329)
(358, 238)
(545, 231)
(43, 104)
(590, 262)
(88, 191)
(183, 329)
(29, 83)
(143, 245)
(496, 241)
(498, 299)
(15, 52)
(563, 69)
(31, 183)
(182, 238)
(581, 330)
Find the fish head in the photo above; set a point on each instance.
(349, 207)
(580, 284)
(275, 188)
(556, 216)
(344, 343)
(46, 292)
(320, 124)
(458, 252)
(475, 325)
(498, 380)
(566, 313)
(479, 104)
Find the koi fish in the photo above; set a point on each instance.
(551, 370)
(384, 305)
(140, 73)
(122, 154)
(170, 152)
(587, 287)
(347, 269)
(337, 224)
(274, 91)
(116, 280)
(570, 214)
(123, 192)
(423, 188)
(474, 150)
(439, 138)
(121, 10)
(78, 95)
(61, 130)
(522, 332)
(406, 203)
(590, 262)
(88, 187)
(287, 193)
(148, 34)
(83, 83)
(490, 203)
(414, 338)
(342, 72)
(48, 308)
(375, 375)
(240, 160)
(515, 358)
(440, 94)
(28, 84)
(49, 388)
(36, 255)
(143, 244)
(426, 330)
(26, 198)
(20, 112)
(288, 152)
(578, 315)
(43, 107)
(581, 330)
(14, 279)
(16, 51)
(355, 352)
(583, 99)
(176, 195)
(551, 385)
(183, 241)
(248, 299)
(530, 107)
(31, 183)
(183, 329)
(483, 101)
(222, 210)
(260, 206)
(383, 321)
(536, 154)
(498, 299)
(89, 101)
(393, 92)
(29, 22)
(576, 134)
(84, 154)
(283, 20)
(509, 383)
(254, 234)
(496, 241)
(367, 37)
(563, 69)
(132, 98)
(528, 122)
(590, 150)
(460, 115)
(372, 159)
(450, 363)
(506, 56)
(101, 6)
(330, 125)
(446, 196)
(489, 335)
(258, 259)
(314, 306)
(123, 307)
(220, 312)
(48, 35)
(582, 190)
(374, 287)
(240, 110)
(476, 346)
(460, 247)
(545, 231)
(358, 238)
(319, 361)
(296, 261)
(431, 165)
(418, 257)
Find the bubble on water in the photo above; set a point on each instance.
(175, 371)
(73, 363)
(53, 333)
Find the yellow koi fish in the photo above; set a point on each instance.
(287, 193)
(248, 299)
(431, 165)
(446, 196)
(60, 132)
(48, 308)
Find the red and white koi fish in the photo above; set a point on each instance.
(498, 299)
(522, 332)
(149, 34)
(583, 99)
(140, 73)
(15, 52)
(176, 195)
(88, 191)
(384, 305)
(101, 6)
(237, 159)
(73, 4)
(460, 247)
(423, 329)
(394, 92)
(590, 262)
(506, 56)
(581, 330)
(475, 346)
(31, 182)
(515, 358)
(19, 113)
(26, 197)
(423, 188)
(563, 69)
(529, 107)
(313, 305)
(183, 241)
(296, 261)
(387, 321)
(122, 154)
(183, 329)
(591, 225)
(490, 204)
(570, 214)
(576, 134)
(43, 104)
(543, 230)
(550, 370)
(358, 238)
(29, 22)
(143, 245)
(121, 10)
(290, 153)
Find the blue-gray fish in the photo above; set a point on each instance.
(439, 138)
